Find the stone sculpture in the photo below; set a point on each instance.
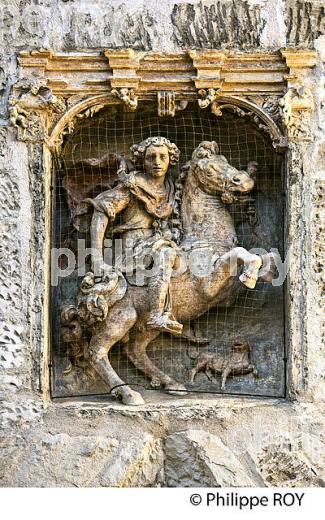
(180, 224)
(235, 363)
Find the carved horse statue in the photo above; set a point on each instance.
(208, 232)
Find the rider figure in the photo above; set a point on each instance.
(145, 196)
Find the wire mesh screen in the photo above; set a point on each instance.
(254, 317)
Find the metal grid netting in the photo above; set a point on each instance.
(256, 316)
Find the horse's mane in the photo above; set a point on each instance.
(204, 149)
(177, 218)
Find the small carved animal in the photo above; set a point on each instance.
(236, 363)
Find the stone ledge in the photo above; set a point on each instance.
(159, 402)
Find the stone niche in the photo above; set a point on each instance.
(256, 315)
(83, 107)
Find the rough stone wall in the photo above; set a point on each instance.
(174, 444)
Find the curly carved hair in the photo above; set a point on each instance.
(138, 150)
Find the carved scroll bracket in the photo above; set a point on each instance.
(209, 98)
(127, 96)
(167, 104)
(33, 108)
(298, 102)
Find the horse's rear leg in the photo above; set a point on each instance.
(136, 352)
(105, 335)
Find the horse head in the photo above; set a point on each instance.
(215, 175)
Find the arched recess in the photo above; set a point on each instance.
(91, 105)
(233, 111)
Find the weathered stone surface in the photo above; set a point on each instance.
(61, 460)
(14, 253)
(19, 414)
(206, 24)
(305, 21)
(137, 463)
(279, 466)
(195, 458)
(97, 445)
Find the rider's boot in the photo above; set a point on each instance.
(159, 318)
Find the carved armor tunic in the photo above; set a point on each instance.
(145, 213)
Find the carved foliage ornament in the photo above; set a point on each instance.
(262, 110)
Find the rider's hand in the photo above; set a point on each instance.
(107, 276)
(102, 270)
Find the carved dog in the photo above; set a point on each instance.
(235, 363)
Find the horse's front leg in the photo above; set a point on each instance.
(240, 256)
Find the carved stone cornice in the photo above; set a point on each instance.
(208, 64)
(150, 72)
(124, 65)
(299, 58)
(171, 80)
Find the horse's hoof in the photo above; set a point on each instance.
(155, 382)
(248, 281)
(131, 397)
(176, 389)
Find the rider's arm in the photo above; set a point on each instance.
(98, 227)
(106, 206)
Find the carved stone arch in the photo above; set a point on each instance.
(84, 109)
(245, 108)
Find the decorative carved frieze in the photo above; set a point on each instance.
(223, 79)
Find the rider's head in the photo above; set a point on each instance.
(154, 155)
